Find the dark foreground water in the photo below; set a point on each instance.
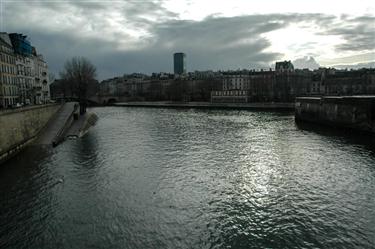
(165, 178)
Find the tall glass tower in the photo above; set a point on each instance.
(179, 62)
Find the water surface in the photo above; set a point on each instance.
(166, 178)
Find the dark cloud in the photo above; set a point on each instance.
(358, 33)
(354, 66)
(141, 36)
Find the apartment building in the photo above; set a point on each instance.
(9, 89)
(23, 73)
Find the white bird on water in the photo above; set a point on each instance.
(60, 180)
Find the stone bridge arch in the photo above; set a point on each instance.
(105, 100)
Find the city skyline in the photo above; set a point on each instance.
(126, 36)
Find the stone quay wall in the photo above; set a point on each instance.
(19, 127)
(355, 112)
(271, 106)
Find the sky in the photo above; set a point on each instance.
(141, 35)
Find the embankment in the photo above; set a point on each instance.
(209, 105)
(354, 112)
(20, 126)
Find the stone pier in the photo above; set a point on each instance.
(354, 112)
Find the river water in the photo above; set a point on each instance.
(167, 178)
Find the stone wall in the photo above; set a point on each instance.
(20, 126)
(356, 112)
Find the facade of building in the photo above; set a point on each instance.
(133, 85)
(242, 86)
(284, 66)
(20, 44)
(282, 84)
(109, 87)
(41, 85)
(160, 87)
(58, 90)
(23, 52)
(179, 63)
(355, 82)
(285, 84)
(24, 74)
(25, 78)
(9, 90)
(235, 87)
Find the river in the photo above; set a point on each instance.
(169, 178)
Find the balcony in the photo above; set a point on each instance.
(37, 87)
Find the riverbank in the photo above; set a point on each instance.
(42, 125)
(208, 105)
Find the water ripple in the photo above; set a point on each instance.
(164, 178)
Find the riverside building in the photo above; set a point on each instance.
(179, 63)
(41, 86)
(9, 90)
(282, 85)
(24, 73)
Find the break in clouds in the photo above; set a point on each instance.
(123, 37)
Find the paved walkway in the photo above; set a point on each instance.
(76, 127)
(56, 123)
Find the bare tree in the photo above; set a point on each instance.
(78, 74)
(51, 77)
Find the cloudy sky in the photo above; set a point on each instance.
(142, 35)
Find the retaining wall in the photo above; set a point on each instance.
(356, 112)
(272, 106)
(20, 126)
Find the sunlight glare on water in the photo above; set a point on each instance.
(166, 178)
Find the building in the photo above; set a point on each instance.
(109, 87)
(24, 73)
(41, 91)
(283, 66)
(281, 85)
(235, 87)
(179, 62)
(20, 44)
(204, 75)
(9, 89)
(58, 91)
(343, 82)
(134, 85)
(236, 80)
(23, 53)
(25, 78)
(65, 90)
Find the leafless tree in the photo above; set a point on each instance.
(79, 73)
(51, 77)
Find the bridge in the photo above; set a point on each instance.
(96, 100)
(106, 99)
